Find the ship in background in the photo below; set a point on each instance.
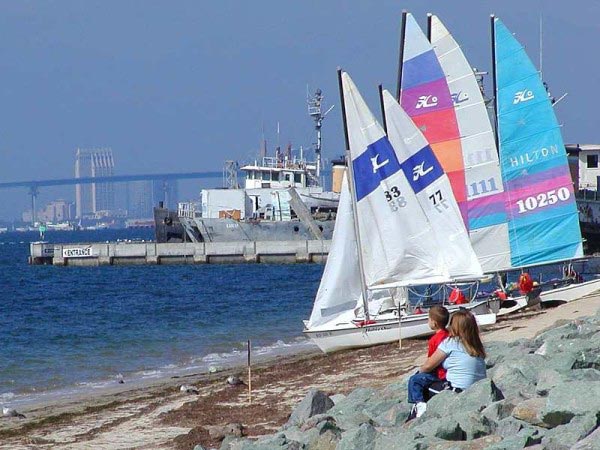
(283, 199)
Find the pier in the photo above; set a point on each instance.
(152, 253)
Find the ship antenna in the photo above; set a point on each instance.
(315, 111)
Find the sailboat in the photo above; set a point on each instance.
(384, 239)
(506, 230)
(543, 220)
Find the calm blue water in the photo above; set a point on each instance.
(64, 328)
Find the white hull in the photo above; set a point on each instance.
(563, 294)
(342, 336)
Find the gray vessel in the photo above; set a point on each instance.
(282, 199)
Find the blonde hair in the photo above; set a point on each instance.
(439, 315)
(463, 326)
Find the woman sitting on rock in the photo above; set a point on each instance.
(461, 354)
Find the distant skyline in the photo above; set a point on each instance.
(183, 86)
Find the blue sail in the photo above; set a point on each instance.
(540, 199)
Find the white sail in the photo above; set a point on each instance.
(399, 246)
(486, 218)
(433, 192)
(340, 288)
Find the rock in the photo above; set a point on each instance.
(571, 399)
(530, 411)
(235, 443)
(315, 402)
(485, 442)
(220, 431)
(234, 380)
(349, 412)
(188, 389)
(398, 391)
(11, 412)
(337, 398)
(395, 415)
(527, 437)
(565, 436)
(396, 438)
(474, 399)
(361, 438)
(590, 442)
(498, 410)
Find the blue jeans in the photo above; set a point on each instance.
(417, 385)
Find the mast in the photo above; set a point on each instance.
(494, 84)
(363, 284)
(401, 54)
(381, 104)
(314, 111)
(429, 15)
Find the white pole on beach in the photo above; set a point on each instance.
(249, 376)
(399, 318)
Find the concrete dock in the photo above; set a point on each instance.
(151, 253)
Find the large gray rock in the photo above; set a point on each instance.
(498, 410)
(398, 391)
(565, 436)
(315, 402)
(361, 438)
(350, 412)
(590, 442)
(569, 400)
(527, 437)
(395, 415)
(396, 438)
(475, 399)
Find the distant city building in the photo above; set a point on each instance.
(140, 199)
(55, 212)
(94, 197)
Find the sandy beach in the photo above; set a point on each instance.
(160, 416)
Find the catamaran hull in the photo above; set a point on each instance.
(348, 335)
(564, 294)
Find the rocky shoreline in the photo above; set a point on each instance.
(542, 392)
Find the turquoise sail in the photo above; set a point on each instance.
(539, 195)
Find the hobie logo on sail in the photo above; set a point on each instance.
(522, 96)
(459, 97)
(376, 165)
(427, 101)
(419, 171)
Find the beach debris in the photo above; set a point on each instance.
(214, 369)
(11, 412)
(234, 380)
(189, 389)
(221, 431)
(120, 379)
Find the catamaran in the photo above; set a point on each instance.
(540, 201)
(439, 90)
(398, 225)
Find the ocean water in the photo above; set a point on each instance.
(65, 329)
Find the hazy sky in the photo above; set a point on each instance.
(184, 85)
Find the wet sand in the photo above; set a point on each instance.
(159, 416)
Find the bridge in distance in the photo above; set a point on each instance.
(35, 185)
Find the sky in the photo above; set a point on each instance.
(175, 86)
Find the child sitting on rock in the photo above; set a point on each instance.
(420, 381)
(462, 355)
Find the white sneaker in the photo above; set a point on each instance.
(421, 408)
